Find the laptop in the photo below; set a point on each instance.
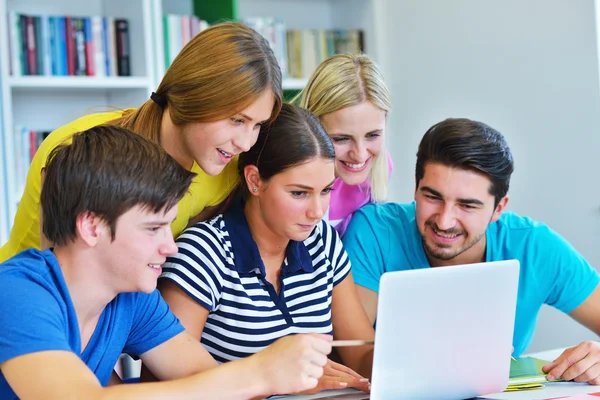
(445, 332)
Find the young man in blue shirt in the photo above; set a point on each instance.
(458, 217)
(68, 312)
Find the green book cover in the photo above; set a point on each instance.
(527, 370)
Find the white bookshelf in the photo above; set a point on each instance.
(319, 14)
(47, 102)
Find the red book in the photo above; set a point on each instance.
(31, 54)
(70, 39)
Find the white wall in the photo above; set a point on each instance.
(527, 68)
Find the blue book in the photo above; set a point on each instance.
(61, 50)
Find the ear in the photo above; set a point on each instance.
(90, 228)
(252, 179)
(499, 209)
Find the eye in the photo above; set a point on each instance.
(299, 194)
(431, 197)
(154, 229)
(259, 125)
(326, 190)
(468, 207)
(237, 121)
(339, 139)
(373, 135)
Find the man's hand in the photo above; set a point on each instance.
(338, 376)
(580, 364)
(294, 363)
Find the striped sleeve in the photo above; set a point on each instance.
(198, 267)
(334, 249)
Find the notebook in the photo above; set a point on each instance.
(527, 370)
(445, 333)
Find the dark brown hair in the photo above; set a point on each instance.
(466, 144)
(295, 137)
(107, 170)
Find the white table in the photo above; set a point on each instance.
(556, 389)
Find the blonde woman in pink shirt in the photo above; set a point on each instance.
(349, 96)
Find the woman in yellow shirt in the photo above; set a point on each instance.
(221, 88)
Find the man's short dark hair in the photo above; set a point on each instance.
(470, 145)
(107, 170)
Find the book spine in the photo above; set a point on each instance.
(88, 47)
(16, 46)
(46, 45)
(113, 46)
(98, 46)
(70, 45)
(106, 42)
(79, 35)
(122, 31)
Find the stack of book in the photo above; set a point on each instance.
(299, 52)
(178, 31)
(65, 45)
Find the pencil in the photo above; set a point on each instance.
(512, 358)
(342, 343)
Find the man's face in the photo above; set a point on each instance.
(454, 209)
(143, 240)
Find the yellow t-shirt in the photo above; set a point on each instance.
(204, 191)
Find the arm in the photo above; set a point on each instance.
(368, 299)
(193, 317)
(351, 322)
(581, 363)
(364, 244)
(290, 365)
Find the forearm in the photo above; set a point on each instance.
(234, 380)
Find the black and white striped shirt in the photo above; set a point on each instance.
(219, 266)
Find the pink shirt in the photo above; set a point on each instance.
(345, 199)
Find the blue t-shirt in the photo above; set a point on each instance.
(385, 237)
(37, 314)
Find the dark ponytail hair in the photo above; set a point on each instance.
(295, 137)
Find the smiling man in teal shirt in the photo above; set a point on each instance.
(462, 176)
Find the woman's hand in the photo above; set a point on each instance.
(338, 376)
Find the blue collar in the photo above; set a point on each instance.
(246, 255)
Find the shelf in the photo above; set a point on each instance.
(294, 83)
(78, 82)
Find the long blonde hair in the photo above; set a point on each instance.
(346, 80)
(221, 71)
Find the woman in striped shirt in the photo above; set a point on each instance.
(270, 266)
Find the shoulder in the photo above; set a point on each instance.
(511, 225)
(381, 215)
(225, 180)
(31, 264)
(31, 276)
(64, 134)
(204, 243)
(213, 230)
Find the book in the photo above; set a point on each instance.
(527, 370)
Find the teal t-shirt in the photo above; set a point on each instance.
(384, 237)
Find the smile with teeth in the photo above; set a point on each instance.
(154, 266)
(354, 166)
(226, 154)
(449, 235)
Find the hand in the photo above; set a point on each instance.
(294, 363)
(580, 364)
(338, 376)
